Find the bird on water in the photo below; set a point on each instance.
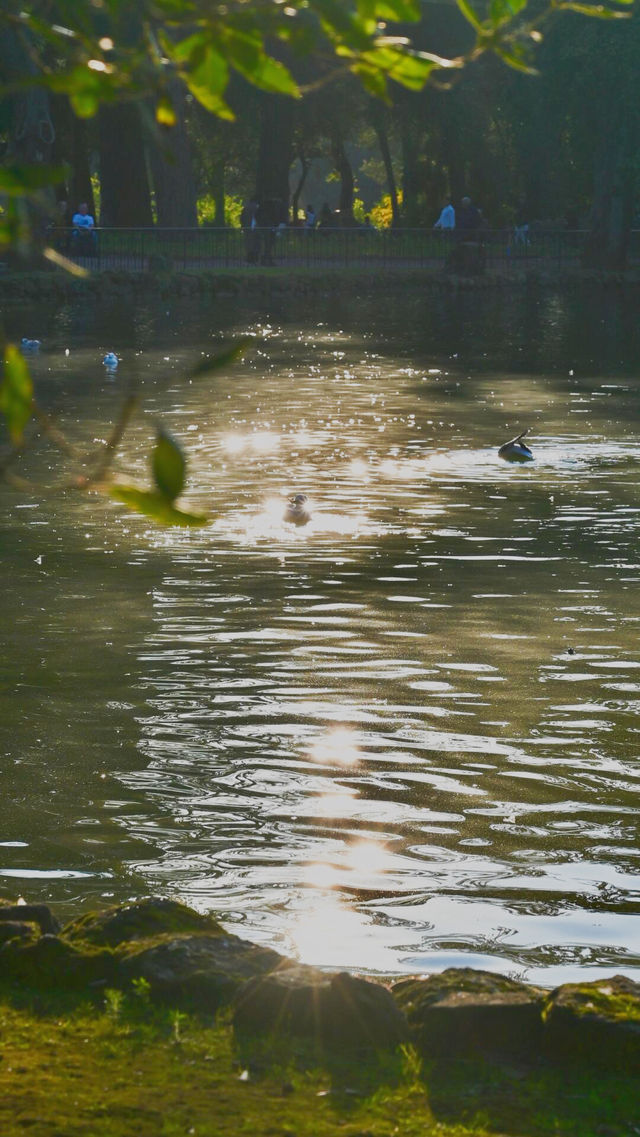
(297, 510)
(516, 450)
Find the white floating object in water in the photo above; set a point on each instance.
(29, 345)
(111, 360)
(66, 351)
(516, 450)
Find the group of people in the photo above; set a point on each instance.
(465, 220)
(329, 220)
(260, 221)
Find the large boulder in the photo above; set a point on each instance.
(39, 914)
(597, 1022)
(462, 1012)
(141, 920)
(185, 957)
(329, 1011)
(202, 971)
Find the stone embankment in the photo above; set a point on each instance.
(259, 283)
(190, 961)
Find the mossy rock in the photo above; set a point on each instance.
(50, 961)
(463, 1013)
(187, 959)
(330, 1012)
(144, 919)
(14, 930)
(198, 971)
(597, 1022)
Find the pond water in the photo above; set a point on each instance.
(402, 737)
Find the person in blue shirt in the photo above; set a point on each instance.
(447, 218)
(83, 235)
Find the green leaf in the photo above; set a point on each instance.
(373, 80)
(501, 10)
(399, 11)
(156, 506)
(168, 465)
(186, 49)
(410, 70)
(16, 392)
(245, 52)
(18, 180)
(516, 57)
(470, 14)
(207, 80)
(354, 31)
(86, 89)
(223, 359)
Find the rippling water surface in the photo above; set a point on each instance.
(401, 737)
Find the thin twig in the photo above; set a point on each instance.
(57, 437)
(111, 444)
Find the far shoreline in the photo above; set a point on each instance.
(261, 282)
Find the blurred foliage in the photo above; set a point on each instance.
(16, 393)
(232, 210)
(380, 214)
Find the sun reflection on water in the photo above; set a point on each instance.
(338, 747)
(260, 441)
(330, 932)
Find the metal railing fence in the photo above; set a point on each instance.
(185, 250)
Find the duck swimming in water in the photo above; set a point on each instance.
(297, 510)
(516, 450)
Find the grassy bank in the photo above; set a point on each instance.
(124, 1067)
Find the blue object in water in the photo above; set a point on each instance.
(29, 345)
(110, 360)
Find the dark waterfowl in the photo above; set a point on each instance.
(297, 510)
(516, 450)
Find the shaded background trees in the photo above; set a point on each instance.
(560, 146)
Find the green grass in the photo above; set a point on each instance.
(125, 1067)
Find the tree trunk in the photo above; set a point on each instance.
(71, 146)
(613, 201)
(295, 199)
(125, 198)
(383, 143)
(343, 166)
(80, 187)
(172, 171)
(275, 153)
(410, 172)
(30, 140)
